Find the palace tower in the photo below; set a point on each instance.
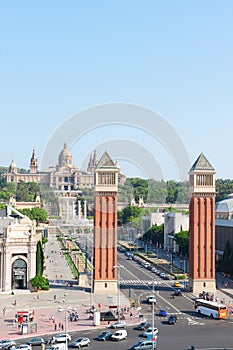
(202, 227)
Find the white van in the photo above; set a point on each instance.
(119, 335)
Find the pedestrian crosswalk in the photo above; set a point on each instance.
(149, 282)
(192, 322)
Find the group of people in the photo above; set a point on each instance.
(59, 327)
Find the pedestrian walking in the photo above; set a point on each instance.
(62, 326)
(59, 325)
(4, 311)
(55, 298)
(55, 327)
(131, 315)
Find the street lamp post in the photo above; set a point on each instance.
(66, 328)
(153, 319)
(118, 267)
(184, 269)
(170, 262)
(92, 283)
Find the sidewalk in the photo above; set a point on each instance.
(45, 307)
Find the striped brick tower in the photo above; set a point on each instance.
(105, 226)
(202, 227)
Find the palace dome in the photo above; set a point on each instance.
(65, 156)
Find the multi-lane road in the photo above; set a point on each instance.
(136, 282)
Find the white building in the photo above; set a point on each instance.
(174, 223)
(18, 244)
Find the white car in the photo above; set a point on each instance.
(61, 338)
(23, 347)
(119, 324)
(58, 346)
(151, 299)
(7, 343)
(119, 335)
(80, 342)
(148, 332)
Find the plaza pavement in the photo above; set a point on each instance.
(45, 308)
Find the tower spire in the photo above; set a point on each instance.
(34, 163)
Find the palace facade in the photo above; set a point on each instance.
(64, 177)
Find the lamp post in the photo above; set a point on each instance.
(92, 282)
(66, 328)
(153, 320)
(170, 261)
(118, 267)
(184, 269)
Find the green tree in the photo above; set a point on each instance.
(182, 238)
(38, 214)
(140, 187)
(172, 192)
(154, 234)
(125, 192)
(26, 191)
(224, 187)
(128, 214)
(39, 282)
(39, 259)
(157, 191)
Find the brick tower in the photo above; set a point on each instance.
(202, 227)
(105, 225)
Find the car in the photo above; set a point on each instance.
(143, 326)
(162, 312)
(172, 319)
(80, 342)
(36, 341)
(177, 285)
(151, 299)
(119, 324)
(61, 338)
(143, 344)
(58, 346)
(162, 275)
(149, 332)
(108, 316)
(167, 277)
(23, 347)
(7, 343)
(104, 336)
(177, 292)
(119, 335)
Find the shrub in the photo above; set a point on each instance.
(40, 282)
(180, 277)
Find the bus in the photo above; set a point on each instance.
(211, 308)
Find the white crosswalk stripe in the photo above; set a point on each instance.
(150, 282)
(192, 322)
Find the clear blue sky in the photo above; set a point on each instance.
(60, 57)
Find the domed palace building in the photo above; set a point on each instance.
(65, 179)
